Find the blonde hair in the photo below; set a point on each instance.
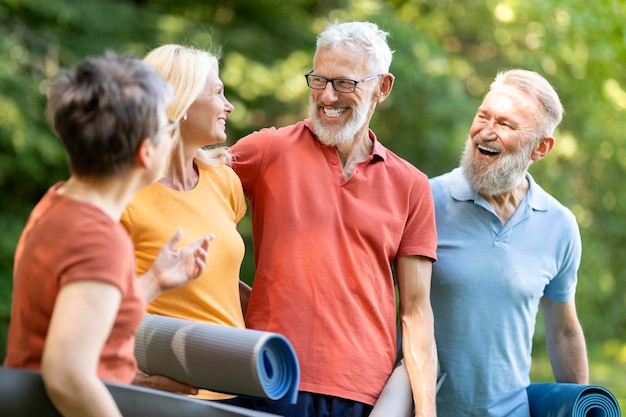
(186, 69)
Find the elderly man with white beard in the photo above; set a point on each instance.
(334, 212)
(505, 249)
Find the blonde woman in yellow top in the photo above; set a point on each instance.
(199, 193)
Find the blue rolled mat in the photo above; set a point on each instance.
(571, 400)
(219, 358)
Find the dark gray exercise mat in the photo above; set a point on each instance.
(22, 394)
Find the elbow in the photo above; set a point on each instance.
(60, 383)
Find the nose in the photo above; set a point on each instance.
(488, 132)
(328, 94)
(228, 106)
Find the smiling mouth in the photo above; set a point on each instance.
(484, 150)
(331, 113)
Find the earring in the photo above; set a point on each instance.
(185, 116)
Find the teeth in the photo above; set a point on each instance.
(334, 112)
(487, 149)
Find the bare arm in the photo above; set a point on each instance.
(82, 319)
(565, 341)
(418, 333)
(175, 267)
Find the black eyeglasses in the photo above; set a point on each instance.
(340, 85)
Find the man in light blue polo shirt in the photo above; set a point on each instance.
(505, 248)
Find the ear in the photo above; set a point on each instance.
(144, 153)
(543, 148)
(385, 87)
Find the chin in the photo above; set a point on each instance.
(216, 140)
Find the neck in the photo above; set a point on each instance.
(505, 204)
(109, 195)
(182, 173)
(354, 152)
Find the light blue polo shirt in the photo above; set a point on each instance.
(486, 288)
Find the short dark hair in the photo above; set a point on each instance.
(103, 108)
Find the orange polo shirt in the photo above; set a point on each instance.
(323, 251)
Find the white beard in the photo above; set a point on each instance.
(338, 135)
(493, 179)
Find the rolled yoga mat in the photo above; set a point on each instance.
(571, 400)
(22, 394)
(219, 358)
(396, 398)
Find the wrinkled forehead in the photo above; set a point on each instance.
(511, 100)
(344, 61)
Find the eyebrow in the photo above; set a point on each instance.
(515, 123)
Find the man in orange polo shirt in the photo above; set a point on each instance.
(333, 214)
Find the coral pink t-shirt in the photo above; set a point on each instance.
(323, 250)
(66, 241)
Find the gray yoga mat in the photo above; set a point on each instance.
(22, 394)
(396, 398)
(219, 358)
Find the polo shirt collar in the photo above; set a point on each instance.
(379, 152)
(461, 190)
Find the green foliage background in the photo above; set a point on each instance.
(446, 53)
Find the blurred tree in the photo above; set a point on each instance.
(446, 53)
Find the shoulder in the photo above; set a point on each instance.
(223, 175)
(104, 232)
(451, 188)
(447, 178)
(401, 167)
(273, 133)
(94, 240)
(145, 198)
(146, 193)
(541, 200)
(270, 144)
(224, 171)
(445, 184)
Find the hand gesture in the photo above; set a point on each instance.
(175, 267)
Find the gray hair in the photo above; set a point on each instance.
(359, 35)
(102, 109)
(538, 88)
